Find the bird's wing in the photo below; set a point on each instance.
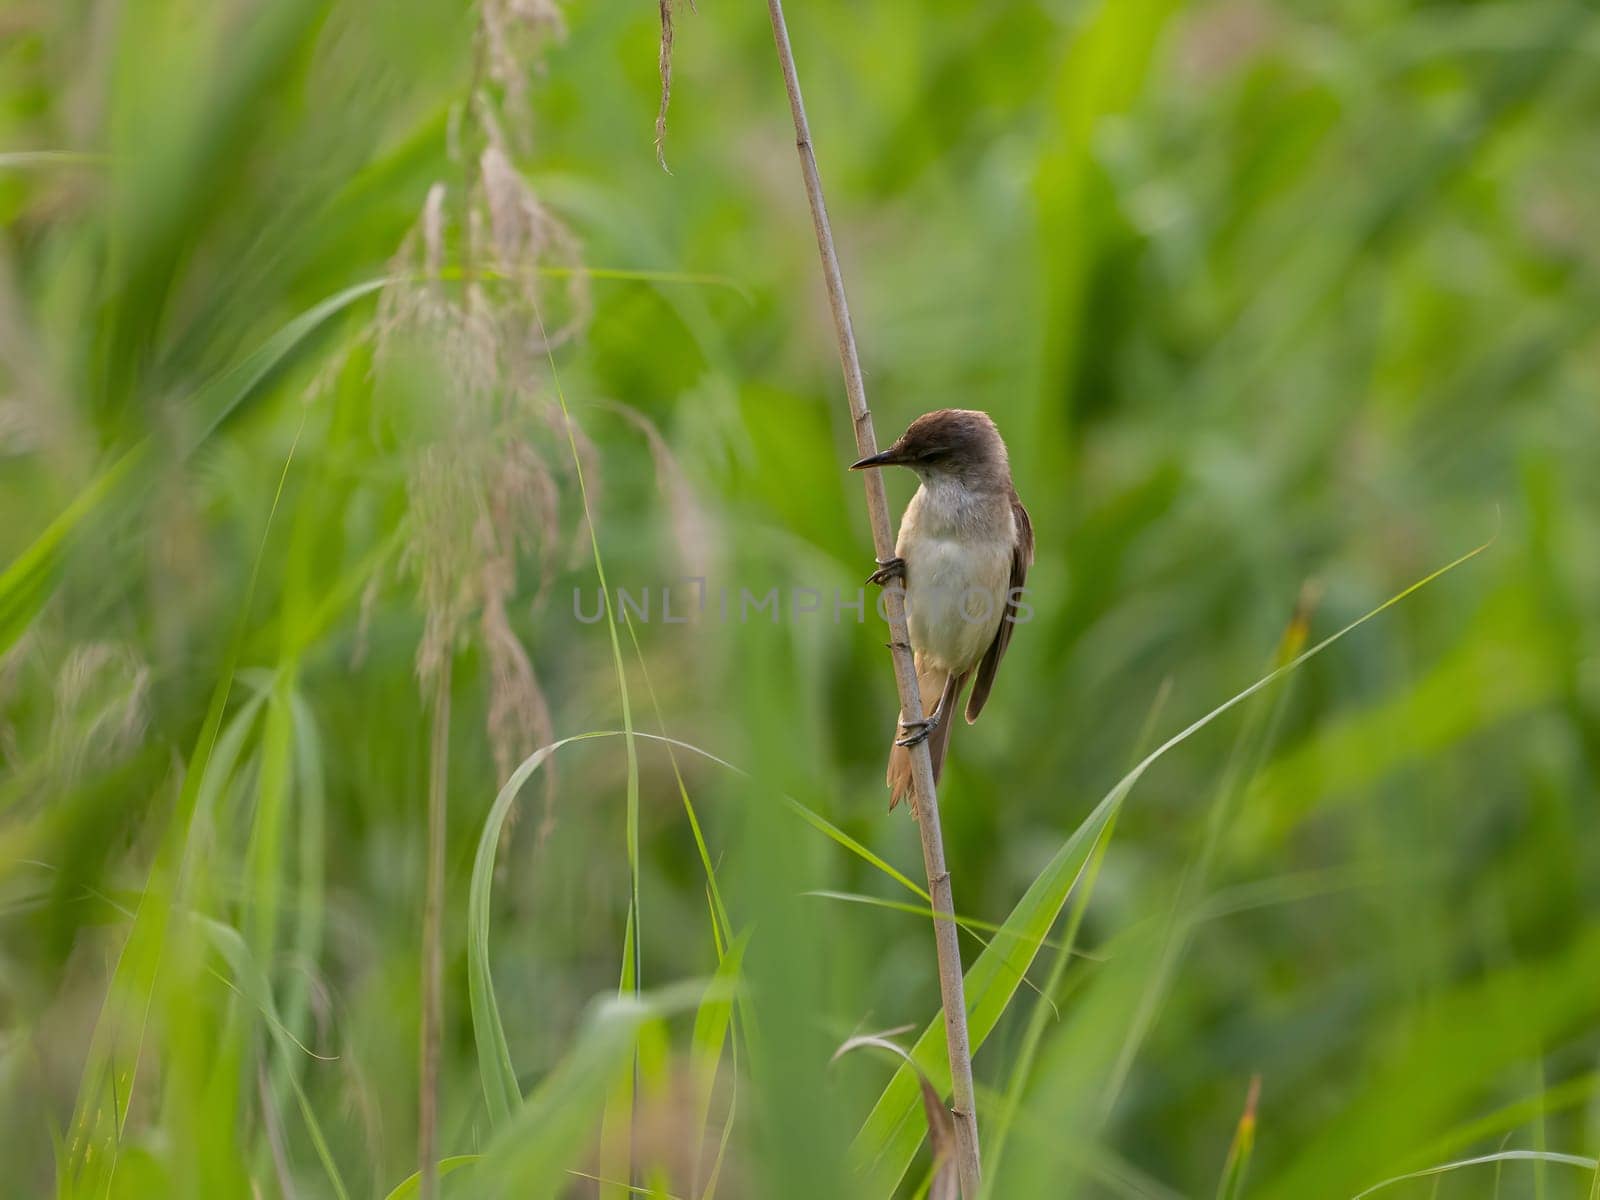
(1021, 560)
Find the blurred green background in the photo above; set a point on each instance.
(1281, 306)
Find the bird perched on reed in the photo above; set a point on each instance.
(962, 556)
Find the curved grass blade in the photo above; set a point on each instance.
(711, 1024)
(253, 983)
(1256, 735)
(499, 1078)
(722, 927)
(612, 1160)
(27, 583)
(116, 1046)
(412, 1184)
(942, 1183)
(500, 1089)
(1502, 1121)
(494, 1057)
(529, 1155)
(1503, 1156)
(117, 1043)
(971, 925)
(219, 399)
(1033, 1035)
(29, 580)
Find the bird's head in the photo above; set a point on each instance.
(959, 443)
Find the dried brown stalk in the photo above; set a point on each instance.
(951, 986)
(433, 943)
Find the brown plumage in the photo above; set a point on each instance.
(964, 549)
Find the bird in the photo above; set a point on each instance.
(962, 558)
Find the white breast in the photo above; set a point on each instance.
(957, 548)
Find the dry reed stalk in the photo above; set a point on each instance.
(481, 497)
(433, 943)
(951, 985)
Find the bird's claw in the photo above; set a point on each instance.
(889, 570)
(913, 732)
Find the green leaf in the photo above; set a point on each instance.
(530, 1154)
(494, 1056)
(217, 400)
(616, 1127)
(412, 1183)
(252, 982)
(500, 1089)
(711, 1023)
(27, 583)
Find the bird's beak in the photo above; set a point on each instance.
(884, 458)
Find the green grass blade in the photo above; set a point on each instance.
(633, 968)
(311, 808)
(529, 1156)
(616, 1123)
(711, 1024)
(1023, 1064)
(217, 400)
(500, 1088)
(722, 932)
(117, 1042)
(1231, 1185)
(498, 1076)
(1503, 1156)
(972, 925)
(252, 982)
(412, 1184)
(29, 580)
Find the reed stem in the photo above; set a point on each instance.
(951, 985)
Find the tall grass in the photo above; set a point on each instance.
(1258, 294)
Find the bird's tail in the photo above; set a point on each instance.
(934, 685)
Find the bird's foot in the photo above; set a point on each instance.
(890, 570)
(912, 732)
